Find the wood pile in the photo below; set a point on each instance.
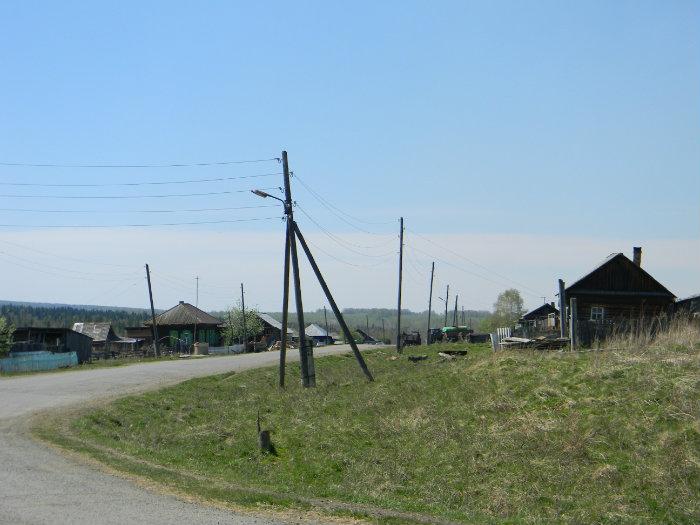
(538, 343)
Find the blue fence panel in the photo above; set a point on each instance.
(37, 361)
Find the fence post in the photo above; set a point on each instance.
(573, 323)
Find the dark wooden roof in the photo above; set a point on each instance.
(185, 314)
(617, 275)
(542, 311)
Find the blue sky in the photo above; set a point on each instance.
(527, 120)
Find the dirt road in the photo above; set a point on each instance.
(41, 486)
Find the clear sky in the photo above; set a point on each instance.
(530, 138)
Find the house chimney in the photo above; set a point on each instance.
(182, 302)
(637, 255)
(552, 304)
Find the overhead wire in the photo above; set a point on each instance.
(64, 257)
(343, 243)
(328, 204)
(475, 263)
(167, 165)
(68, 270)
(143, 183)
(159, 196)
(145, 225)
(183, 210)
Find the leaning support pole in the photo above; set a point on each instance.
(308, 375)
(285, 309)
(331, 301)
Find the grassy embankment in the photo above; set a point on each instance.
(605, 436)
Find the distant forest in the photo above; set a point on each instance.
(369, 319)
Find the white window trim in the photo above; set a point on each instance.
(597, 313)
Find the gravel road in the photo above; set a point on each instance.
(40, 486)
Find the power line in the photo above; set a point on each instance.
(134, 225)
(345, 244)
(161, 196)
(36, 210)
(467, 271)
(148, 183)
(63, 276)
(330, 205)
(69, 270)
(475, 263)
(84, 261)
(173, 165)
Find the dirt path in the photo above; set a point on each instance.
(40, 486)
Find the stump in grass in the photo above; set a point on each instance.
(264, 440)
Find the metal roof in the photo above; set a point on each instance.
(96, 331)
(268, 319)
(185, 314)
(314, 330)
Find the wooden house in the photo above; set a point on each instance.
(319, 335)
(183, 325)
(272, 330)
(543, 318)
(56, 340)
(101, 334)
(619, 289)
(688, 305)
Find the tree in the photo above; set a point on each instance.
(508, 308)
(233, 330)
(6, 331)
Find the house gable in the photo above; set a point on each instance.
(617, 275)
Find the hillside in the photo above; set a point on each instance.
(520, 437)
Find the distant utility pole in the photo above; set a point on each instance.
(454, 316)
(196, 304)
(447, 298)
(367, 323)
(153, 312)
(430, 302)
(325, 316)
(293, 233)
(398, 317)
(463, 323)
(245, 331)
(383, 331)
(562, 309)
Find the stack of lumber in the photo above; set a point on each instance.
(539, 343)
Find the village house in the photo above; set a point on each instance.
(319, 335)
(272, 330)
(619, 289)
(542, 319)
(56, 340)
(181, 326)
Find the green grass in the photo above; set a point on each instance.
(517, 437)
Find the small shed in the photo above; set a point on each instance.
(55, 340)
(319, 335)
(272, 329)
(102, 335)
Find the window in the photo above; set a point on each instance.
(597, 313)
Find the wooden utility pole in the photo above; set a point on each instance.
(331, 301)
(454, 316)
(430, 302)
(447, 298)
(196, 304)
(367, 323)
(383, 332)
(562, 309)
(285, 304)
(153, 313)
(463, 322)
(325, 317)
(572, 323)
(398, 317)
(245, 331)
(308, 374)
